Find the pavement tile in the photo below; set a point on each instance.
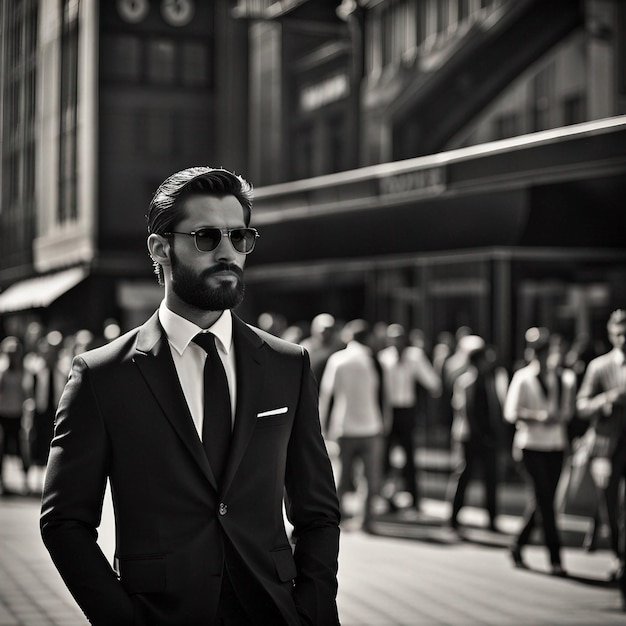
(415, 572)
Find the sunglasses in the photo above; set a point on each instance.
(243, 240)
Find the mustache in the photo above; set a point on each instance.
(224, 267)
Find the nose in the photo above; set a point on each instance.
(225, 252)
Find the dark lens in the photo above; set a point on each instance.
(242, 239)
(208, 239)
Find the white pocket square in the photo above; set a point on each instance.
(280, 411)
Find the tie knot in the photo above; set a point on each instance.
(206, 341)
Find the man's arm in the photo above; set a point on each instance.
(326, 390)
(425, 373)
(592, 397)
(313, 510)
(72, 503)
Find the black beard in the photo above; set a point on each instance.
(192, 288)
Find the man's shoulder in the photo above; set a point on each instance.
(524, 373)
(112, 352)
(604, 360)
(277, 344)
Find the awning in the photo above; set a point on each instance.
(39, 292)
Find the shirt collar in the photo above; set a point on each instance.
(619, 356)
(180, 331)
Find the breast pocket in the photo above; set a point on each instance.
(273, 417)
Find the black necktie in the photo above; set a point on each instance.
(216, 425)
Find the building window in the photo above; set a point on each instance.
(337, 140)
(421, 28)
(397, 32)
(443, 16)
(157, 138)
(18, 69)
(121, 57)
(303, 152)
(541, 97)
(506, 125)
(68, 140)
(463, 10)
(574, 109)
(195, 64)
(620, 30)
(161, 62)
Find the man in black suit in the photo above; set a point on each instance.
(199, 539)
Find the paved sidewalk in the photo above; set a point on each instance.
(415, 573)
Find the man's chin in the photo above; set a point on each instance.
(227, 296)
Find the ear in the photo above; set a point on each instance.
(159, 249)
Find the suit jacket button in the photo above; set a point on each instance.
(223, 509)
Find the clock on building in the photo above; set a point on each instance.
(177, 12)
(132, 11)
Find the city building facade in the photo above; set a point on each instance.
(441, 163)
(437, 163)
(100, 102)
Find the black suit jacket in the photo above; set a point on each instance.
(123, 417)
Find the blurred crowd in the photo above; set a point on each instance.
(33, 372)
(558, 415)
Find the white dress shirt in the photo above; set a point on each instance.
(351, 380)
(526, 398)
(189, 358)
(403, 370)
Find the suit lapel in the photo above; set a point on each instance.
(250, 361)
(154, 360)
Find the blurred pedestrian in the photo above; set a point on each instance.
(13, 396)
(352, 412)
(47, 384)
(540, 401)
(442, 350)
(206, 429)
(458, 361)
(405, 367)
(602, 399)
(321, 343)
(477, 402)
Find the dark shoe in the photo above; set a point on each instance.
(515, 552)
(557, 570)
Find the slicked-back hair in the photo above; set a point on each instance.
(164, 211)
